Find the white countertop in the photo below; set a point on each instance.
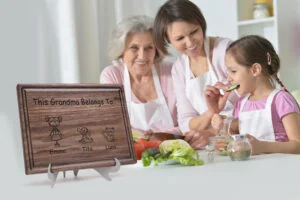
(274, 176)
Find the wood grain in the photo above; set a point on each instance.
(74, 126)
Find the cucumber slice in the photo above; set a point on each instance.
(233, 87)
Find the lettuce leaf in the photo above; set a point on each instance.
(176, 150)
(150, 155)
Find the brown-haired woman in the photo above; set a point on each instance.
(202, 62)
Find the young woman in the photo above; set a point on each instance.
(202, 62)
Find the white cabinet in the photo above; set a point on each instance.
(234, 19)
(267, 27)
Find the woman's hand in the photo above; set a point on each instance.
(214, 99)
(217, 121)
(148, 134)
(256, 144)
(198, 139)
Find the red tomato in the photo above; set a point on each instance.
(142, 144)
(139, 148)
(152, 144)
(142, 141)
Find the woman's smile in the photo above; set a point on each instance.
(186, 38)
(139, 53)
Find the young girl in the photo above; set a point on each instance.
(269, 115)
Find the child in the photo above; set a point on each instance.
(270, 116)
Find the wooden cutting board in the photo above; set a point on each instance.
(74, 126)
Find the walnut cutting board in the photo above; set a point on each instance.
(74, 126)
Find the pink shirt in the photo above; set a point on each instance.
(185, 109)
(114, 74)
(283, 104)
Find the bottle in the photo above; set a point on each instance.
(260, 10)
(239, 148)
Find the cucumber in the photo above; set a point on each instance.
(233, 87)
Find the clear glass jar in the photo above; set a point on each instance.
(218, 144)
(260, 10)
(239, 148)
(225, 131)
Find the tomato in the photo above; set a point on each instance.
(149, 143)
(142, 144)
(142, 141)
(152, 144)
(138, 149)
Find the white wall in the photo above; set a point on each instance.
(296, 50)
(95, 21)
(289, 42)
(215, 24)
(18, 63)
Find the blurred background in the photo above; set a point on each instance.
(65, 41)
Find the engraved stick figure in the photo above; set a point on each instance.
(109, 134)
(54, 122)
(86, 137)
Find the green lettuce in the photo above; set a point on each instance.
(176, 150)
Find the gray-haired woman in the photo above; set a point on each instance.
(147, 80)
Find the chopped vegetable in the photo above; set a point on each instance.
(223, 152)
(233, 87)
(220, 144)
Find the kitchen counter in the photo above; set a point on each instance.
(273, 176)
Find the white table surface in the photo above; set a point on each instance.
(273, 177)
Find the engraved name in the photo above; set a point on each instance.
(54, 151)
(85, 149)
(110, 147)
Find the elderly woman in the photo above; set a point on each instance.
(146, 78)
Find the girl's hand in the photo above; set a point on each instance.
(256, 145)
(214, 99)
(212, 96)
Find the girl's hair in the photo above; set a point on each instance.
(171, 11)
(256, 49)
(135, 24)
